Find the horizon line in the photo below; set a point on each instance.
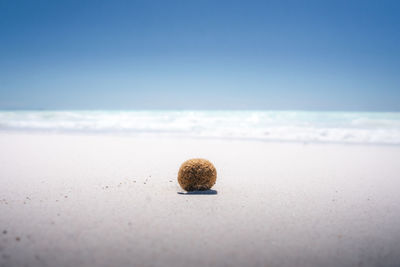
(183, 109)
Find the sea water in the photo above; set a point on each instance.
(297, 126)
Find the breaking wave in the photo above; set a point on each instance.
(300, 126)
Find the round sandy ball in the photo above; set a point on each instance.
(197, 174)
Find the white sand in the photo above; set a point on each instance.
(112, 201)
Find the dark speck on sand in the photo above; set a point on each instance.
(17, 238)
(5, 232)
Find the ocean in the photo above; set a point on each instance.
(292, 126)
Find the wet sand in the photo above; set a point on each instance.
(102, 200)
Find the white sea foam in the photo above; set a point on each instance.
(342, 127)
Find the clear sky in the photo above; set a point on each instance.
(309, 55)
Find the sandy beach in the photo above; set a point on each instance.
(103, 200)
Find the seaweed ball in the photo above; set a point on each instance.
(197, 174)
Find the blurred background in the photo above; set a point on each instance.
(287, 70)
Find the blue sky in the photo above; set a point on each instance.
(308, 55)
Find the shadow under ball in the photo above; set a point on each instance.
(197, 174)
